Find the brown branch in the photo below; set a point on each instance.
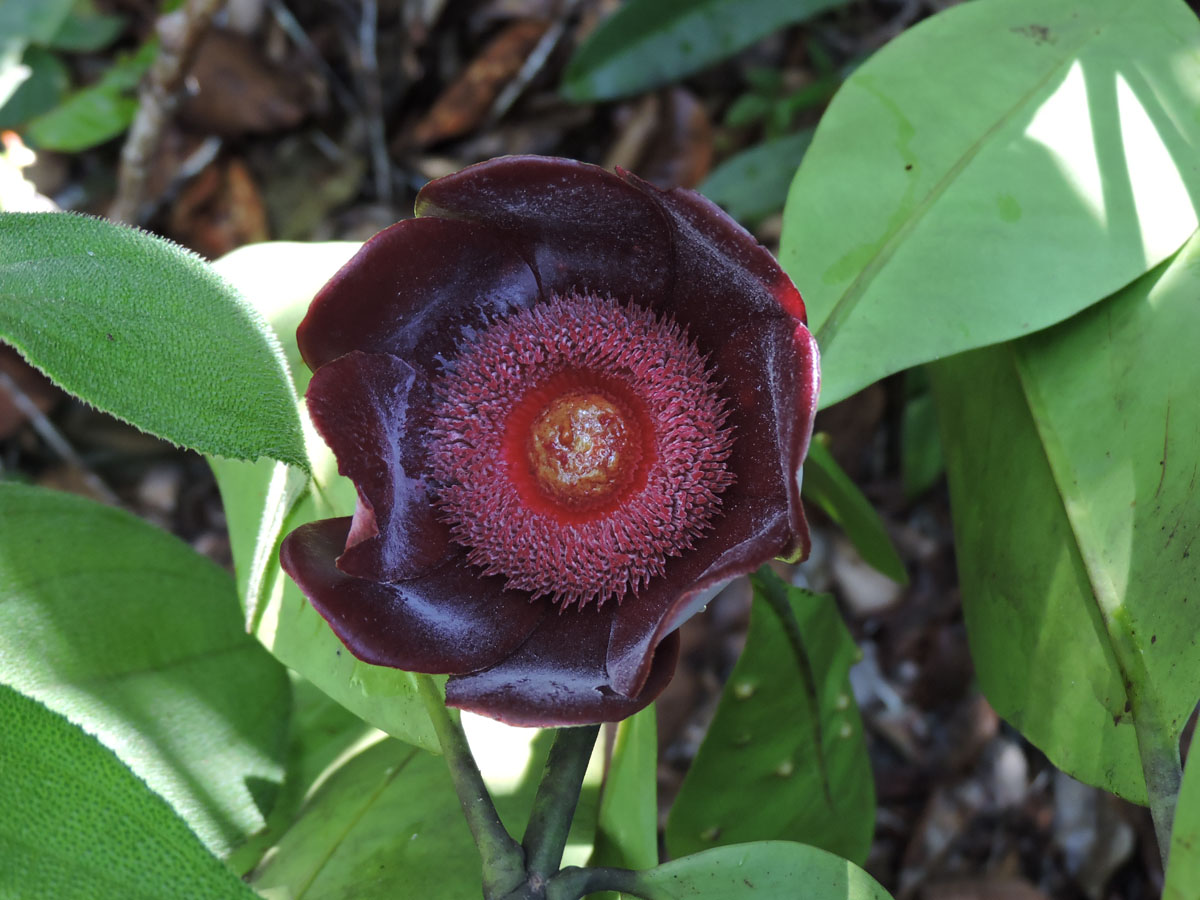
(158, 98)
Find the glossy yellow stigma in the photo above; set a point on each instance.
(579, 448)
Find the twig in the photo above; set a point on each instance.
(373, 101)
(158, 99)
(285, 20)
(59, 444)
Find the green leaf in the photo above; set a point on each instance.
(1072, 465)
(828, 486)
(135, 637)
(1183, 870)
(83, 826)
(1049, 163)
(47, 82)
(768, 869)
(322, 732)
(263, 502)
(86, 29)
(921, 459)
(94, 114)
(761, 773)
(145, 330)
(753, 184)
(387, 824)
(627, 831)
(35, 21)
(648, 43)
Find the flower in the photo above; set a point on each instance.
(573, 406)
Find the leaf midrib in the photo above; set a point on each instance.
(850, 298)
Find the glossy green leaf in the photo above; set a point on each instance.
(768, 869)
(828, 486)
(78, 825)
(1049, 163)
(47, 82)
(1183, 870)
(1073, 476)
(753, 184)
(387, 824)
(627, 831)
(97, 113)
(132, 635)
(648, 43)
(771, 766)
(265, 501)
(146, 331)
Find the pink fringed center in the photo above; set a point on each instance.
(578, 445)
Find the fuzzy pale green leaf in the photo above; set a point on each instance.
(146, 331)
(129, 633)
(83, 826)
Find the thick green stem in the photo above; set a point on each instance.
(1158, 747)
(573, 882)
(557, 797)
(503, 861)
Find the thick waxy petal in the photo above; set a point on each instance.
(579, 226)
(448, 620)
(723, 256)
(559, 676)
(371, 409)
(745, 537)
(419, 283)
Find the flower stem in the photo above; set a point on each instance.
(503, 860)
(557, 797)
(572, 883)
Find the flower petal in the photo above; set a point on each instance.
(579, 226)
(420, 282)
(448, 620)
(559, 676)
(762, 514)
(370, 409)
(720, 258)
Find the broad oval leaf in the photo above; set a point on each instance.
(1072, 463)
(775, 764)
(1050, 162)
(132, 635)
(647, 43)
(83, 826)
(146, 331)
(768, 869)
(265, 501)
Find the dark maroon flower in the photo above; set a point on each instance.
(573, 405)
